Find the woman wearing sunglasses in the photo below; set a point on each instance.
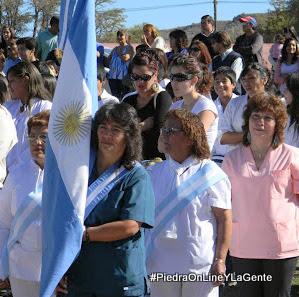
(187, 77)
(200, 51)
(150, 100)
(193, 217)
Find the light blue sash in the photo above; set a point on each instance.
(101, 187)
(180, 197)
(27, 213)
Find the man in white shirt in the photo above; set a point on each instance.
(103, 96)
(224, 84)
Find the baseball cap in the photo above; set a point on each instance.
(249, 19)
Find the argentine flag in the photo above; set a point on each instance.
(67, 154)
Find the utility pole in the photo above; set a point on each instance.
(215, 12)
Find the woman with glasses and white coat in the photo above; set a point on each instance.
(192, 216)
(20, 216)
(150, 100)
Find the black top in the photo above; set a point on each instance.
(250, 47)
(150, 137)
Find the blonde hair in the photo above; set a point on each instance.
(152, 29)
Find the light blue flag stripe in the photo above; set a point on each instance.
(62, 224)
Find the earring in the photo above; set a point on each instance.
(155, 87)
(248, 137)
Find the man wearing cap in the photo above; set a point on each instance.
(250, 44)
(207, 31)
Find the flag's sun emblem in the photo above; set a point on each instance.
(72, 123)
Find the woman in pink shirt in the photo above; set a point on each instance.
(264, 173)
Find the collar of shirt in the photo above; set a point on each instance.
(180, 168)
(226, 53)
(219, 105)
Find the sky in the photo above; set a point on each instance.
(184, 12)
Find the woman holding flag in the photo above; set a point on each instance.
(112, 257)
(193, 217)
(20, 216)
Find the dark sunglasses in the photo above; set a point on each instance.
(180, 76)
(143, 77)
(194, 49)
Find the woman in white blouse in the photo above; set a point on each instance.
(20, 216)
(151, 38)
(288, 63)
(193, 217)
(29, 97)
(187, 77)
(254, 79)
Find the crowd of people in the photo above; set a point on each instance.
(202, 140)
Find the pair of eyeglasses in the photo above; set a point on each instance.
(180, 76)
(170, 131)
(42, 138)
(258, 117)
(143, 77)
(194, 49)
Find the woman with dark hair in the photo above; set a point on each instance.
(7, 34)
(288, 63)
(193, 217)
(29, 97)
(200, 51)
(187, 80)
(178, 42)
(292, 99)
(150, 100)
(50, 82)
(23, 187)
(254, 79)
(264, 174)
(119, 60)
(27, 48)
(112, 259)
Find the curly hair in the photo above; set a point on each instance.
(270, 103)
(40, 119)
(147, 57)
(284, 54)
(126, 117)
(292, 83)
(204, 56)
(194, 130)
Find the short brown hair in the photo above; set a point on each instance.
(194, 130)
(41, 119)
(266, 102)
(223, 38)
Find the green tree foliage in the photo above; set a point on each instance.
(108, 21)
(13, 13)
(293, 9)
(276, 20)
(43, 10)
